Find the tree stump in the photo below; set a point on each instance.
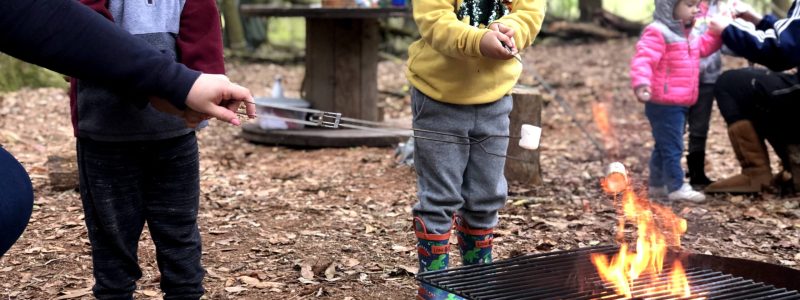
(527, 110)
(62, 172)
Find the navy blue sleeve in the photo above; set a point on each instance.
(773, 43)
(767, 22)
(69, 38)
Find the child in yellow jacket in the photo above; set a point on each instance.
(462, 71)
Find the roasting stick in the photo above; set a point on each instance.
(529, 139)
(563, 103)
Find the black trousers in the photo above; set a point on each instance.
(127, 184)
(699, 118)
(770, 100)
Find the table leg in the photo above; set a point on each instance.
(341, 66)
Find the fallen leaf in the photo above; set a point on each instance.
(235, 289)
(249, 280)
(72, 294)
(330, 272)
(306, 271)
(399, 248)
(368, 229)
(306, 281)
(788, 263)
(753, 212)
(351, 262)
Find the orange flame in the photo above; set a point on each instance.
(657, 228)
(603, 123)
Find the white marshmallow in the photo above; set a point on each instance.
(530, 137)
(616, 179)
(617, 167)
(646, 96)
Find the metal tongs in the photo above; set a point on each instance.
(334, 120)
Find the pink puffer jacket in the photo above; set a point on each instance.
(669, 62)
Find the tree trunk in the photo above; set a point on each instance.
(589, 8)
(233, 24)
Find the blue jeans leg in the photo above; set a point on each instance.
(667, 123)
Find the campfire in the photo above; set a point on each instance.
(657, 229)
(650, 267)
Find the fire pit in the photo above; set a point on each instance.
(571, 275)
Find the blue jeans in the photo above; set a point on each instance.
(127, 184)
(16, 200)
(667, 123)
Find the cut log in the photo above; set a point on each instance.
(62, 172)
(590, 30)
(527, 110)
(609, 20)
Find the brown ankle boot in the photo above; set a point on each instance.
(752, 155)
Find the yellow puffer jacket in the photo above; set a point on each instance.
(446, 63)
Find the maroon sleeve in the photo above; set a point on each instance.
(200, 37)
(100, 6)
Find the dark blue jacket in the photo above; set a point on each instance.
(773, 43)
(67, 37)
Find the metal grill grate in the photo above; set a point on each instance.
(571, 275)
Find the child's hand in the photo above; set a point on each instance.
(718, 24)
(643, 93)
(509, 32)
(492, 45)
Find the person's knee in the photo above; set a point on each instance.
(16, 202)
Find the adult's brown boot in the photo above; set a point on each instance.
(752, 155)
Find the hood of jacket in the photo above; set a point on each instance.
(664, 15)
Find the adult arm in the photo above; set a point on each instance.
(70, 38)
(773, 43)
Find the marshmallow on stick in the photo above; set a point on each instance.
(616, 179)
(530, 137)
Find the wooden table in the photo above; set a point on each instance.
(341, 55)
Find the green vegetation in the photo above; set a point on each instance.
(15, 74)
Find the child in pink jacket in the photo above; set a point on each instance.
(665, 74)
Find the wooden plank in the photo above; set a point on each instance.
(322, 138)
(527, 110)
(347, 67)
(320, 73)
(370, 41)
(267, 10)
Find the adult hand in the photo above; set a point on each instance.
(718, 24)
(492, 45)
(643, 93)
(216, 96)
(509, 32)
(746, 12)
